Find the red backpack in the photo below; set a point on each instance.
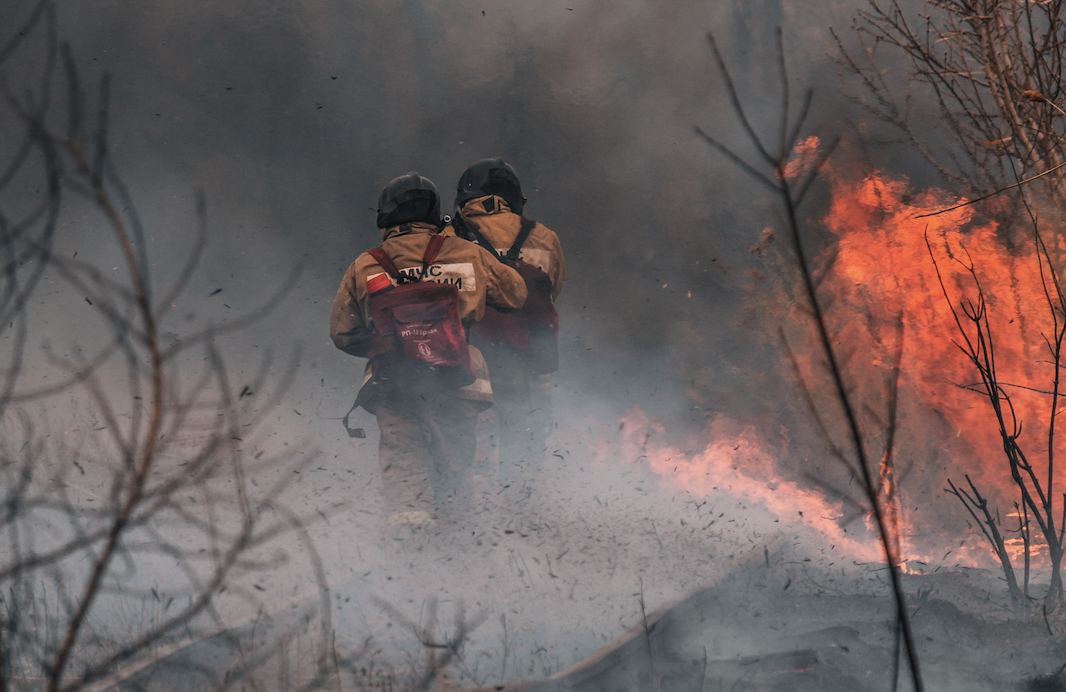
(528, 338)
(417, 332)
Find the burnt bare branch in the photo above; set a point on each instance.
(995, 70)
(978, 344)
(153, 467)
(877, 484)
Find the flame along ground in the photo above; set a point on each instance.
(739, 463)
(882, 276)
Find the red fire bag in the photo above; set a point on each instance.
(528, 338)
(417, 331)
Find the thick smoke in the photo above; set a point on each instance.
(292, 116)
(292, 119)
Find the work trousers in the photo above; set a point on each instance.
(427, 447)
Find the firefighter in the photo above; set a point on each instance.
(489, 206)
(426, 419)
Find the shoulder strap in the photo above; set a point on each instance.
(386, 262)
(461, 228)
(470, 230)
(432, 248)
(523, 233)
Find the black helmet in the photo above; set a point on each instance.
(409, 199)
(490, 177)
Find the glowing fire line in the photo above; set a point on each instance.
(882, 272)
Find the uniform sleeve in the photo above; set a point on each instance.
(506, 290)
(347, 324)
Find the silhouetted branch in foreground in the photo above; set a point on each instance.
(440, 652)
(148, 505)
(993, 69)
(774, 167)
(1035, 486)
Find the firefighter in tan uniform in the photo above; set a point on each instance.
(427, 424)
(489, 205)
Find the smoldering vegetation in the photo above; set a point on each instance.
(243, 147)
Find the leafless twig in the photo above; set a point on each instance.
(772, 170)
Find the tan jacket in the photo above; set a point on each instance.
(493, 219)
(479, 277)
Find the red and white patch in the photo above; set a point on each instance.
(378, 282)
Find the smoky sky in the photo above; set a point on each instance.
(291, 117)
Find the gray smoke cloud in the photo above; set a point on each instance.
(292, 119)
(292, 116)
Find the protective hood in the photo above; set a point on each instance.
(410, 198)
(490, 177)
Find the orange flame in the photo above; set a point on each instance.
(884, 268)
(804, 157)
(739, 463)
(882, 276)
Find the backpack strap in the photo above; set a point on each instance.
(516, 248)
(386, 263)
(432, 249)
(523, 233)
(471, 232)
(461, 228)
